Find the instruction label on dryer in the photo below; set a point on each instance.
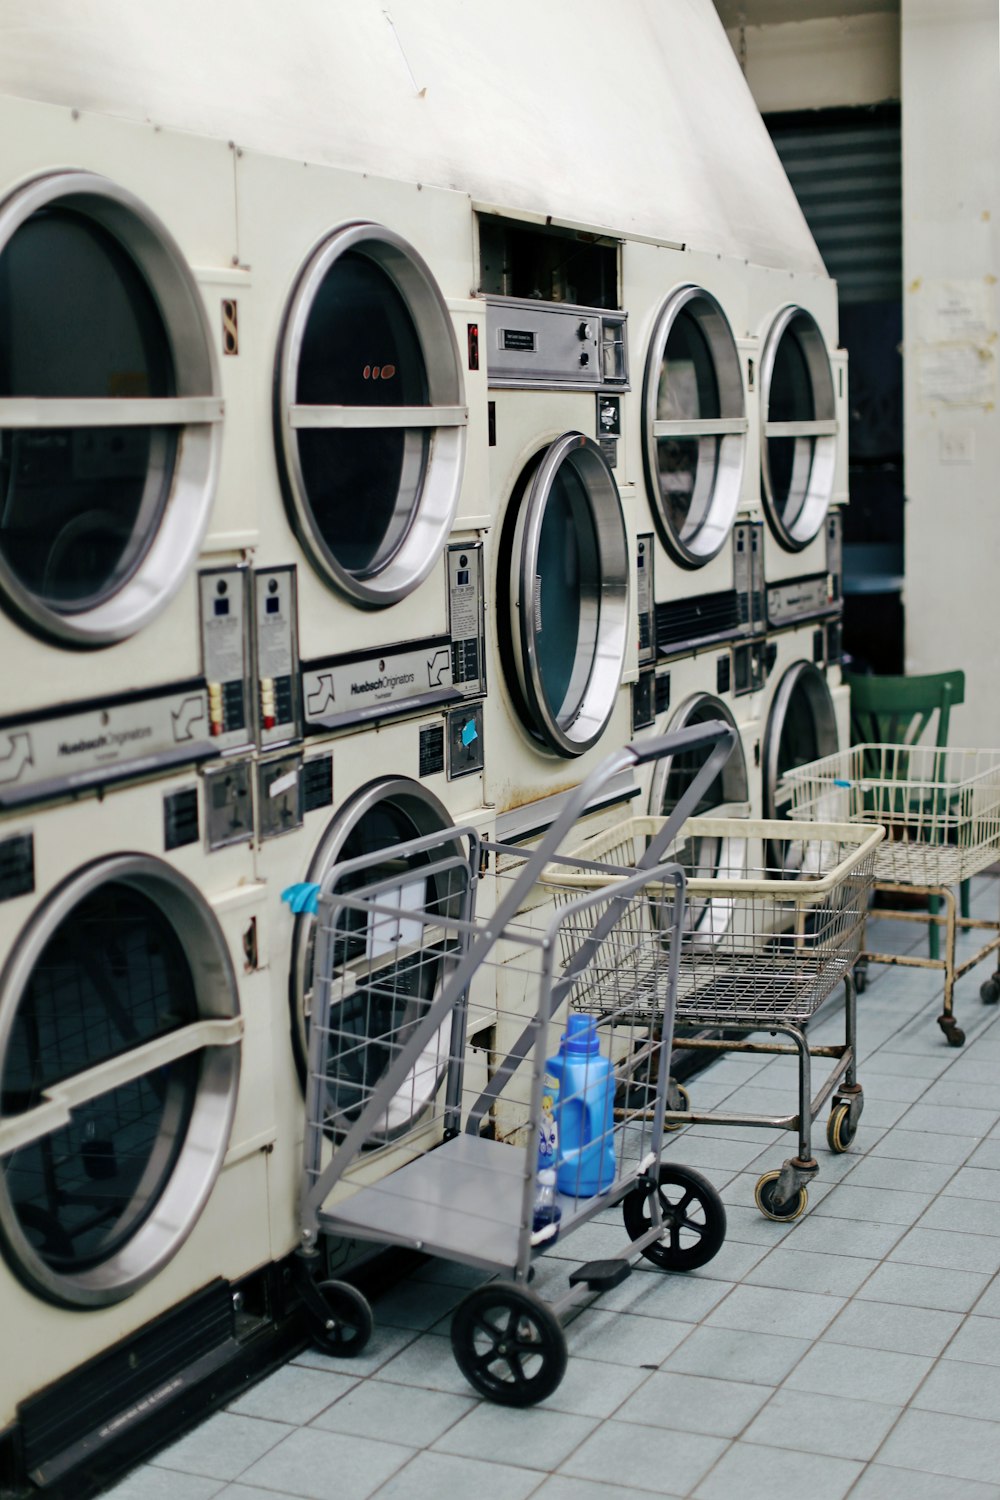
(349, 690)
(82, 747)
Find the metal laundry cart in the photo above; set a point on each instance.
(406, 919)
(941, 810)
(773, 923)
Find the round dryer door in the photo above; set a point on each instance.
(726, 797)
(109, 410)
(368, 1029)
(562, 595)
(119, 1065)
(370, 414)
(798, 445)
(694, 426)
(801, 727)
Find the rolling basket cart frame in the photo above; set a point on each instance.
(761, 949)
(941, 810)
(398, 931)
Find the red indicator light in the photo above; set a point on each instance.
(473, 346)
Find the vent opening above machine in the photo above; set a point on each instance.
(547, 264)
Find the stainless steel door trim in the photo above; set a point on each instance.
(427, 813)
(204, 1122)
(424, 516)
(806, 679)
(735, 778)
(571, 728)
(166, 411)
(712, 519)
(798, 518)
(301, 417)
(167, 558)
(700, 426)
(800, 429)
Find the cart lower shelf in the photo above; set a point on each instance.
(462, 1201)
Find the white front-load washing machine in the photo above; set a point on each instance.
(124, 511)
(370, 425)
(359, 793)
(136, 1102)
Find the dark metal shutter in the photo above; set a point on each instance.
(847, 176)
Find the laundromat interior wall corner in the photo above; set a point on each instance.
(951, 260)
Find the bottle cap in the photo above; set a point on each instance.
(580, 1038)
(547, 1177)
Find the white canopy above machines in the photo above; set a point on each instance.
(632, 116)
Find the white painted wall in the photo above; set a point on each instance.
(951, 260)
(821, 63)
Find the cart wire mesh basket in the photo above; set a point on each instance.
(940, 807)
(775, 911)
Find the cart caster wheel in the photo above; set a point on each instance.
(764, 1199)
(954, 1035)
(508, 1344)
(989, 991)
(349, 1324)
(840, 1132)
(860, 978)
(685, 1103)
(693, 1214)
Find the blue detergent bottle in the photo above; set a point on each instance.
(584, 1111)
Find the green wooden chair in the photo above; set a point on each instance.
(898, 711)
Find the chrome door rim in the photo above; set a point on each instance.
(206, 1139)
(597, 678)
(805, 525)
(429, 815)
(807, 677)
(166, 562)
(707, 920)
(424, 538)
(717, 523)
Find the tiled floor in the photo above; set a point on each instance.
(853, 1353)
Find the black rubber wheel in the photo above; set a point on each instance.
(349, 1325)
(840, 1132)
(508, 1344)
(989, 991)
(764, 1198)
(694, 1219)
(860, 977)
(954, 1035)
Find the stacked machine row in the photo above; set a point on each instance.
(334, 511)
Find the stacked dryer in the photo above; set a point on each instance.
(803, 477)
(697, 554)
(369, 417)
(135, 1095)
(557, 359)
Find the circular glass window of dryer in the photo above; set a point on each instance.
(124, 966)
(109, 410)
(377, 1018)
(705, 857)
(799, 436)
(695, 426)
(562, 595)
(801, 727)
(370, 415)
